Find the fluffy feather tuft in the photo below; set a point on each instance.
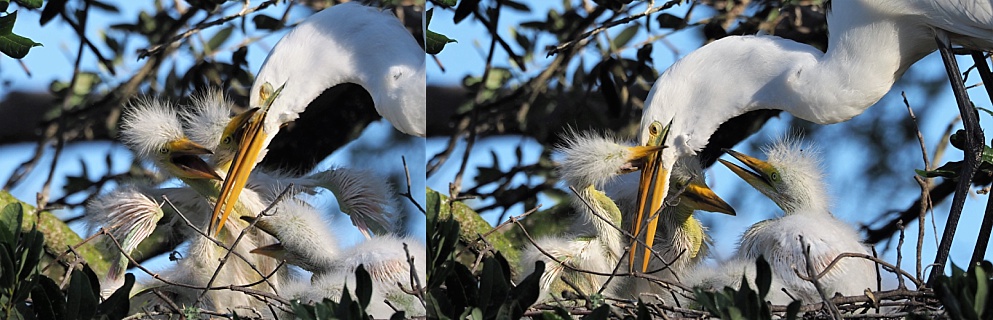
(148, 124)
(591, 158)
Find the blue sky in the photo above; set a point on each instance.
(855, 200)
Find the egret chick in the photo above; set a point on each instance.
(596, 243)
(152, 129)
(305, 241)
(129, 216)
(792, 178)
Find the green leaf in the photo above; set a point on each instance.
(48, 299)
(363, 286)
(264, 22)
(763, 276)
(81, 303)
(219, 38)
(13, 45)
(3, 5)
(464, 10)
(52, 9)
(30, 4)
(625, 36)
(493, 285)
(435, 42)
(447, 3)
(10, 222)
(117, 305)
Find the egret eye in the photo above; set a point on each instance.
(163, 151)
(774, 176)
(226, 140)
(654, 128)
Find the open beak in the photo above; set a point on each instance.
(249, 147)
(702, 198)
(652, 188)
(185, 155)
(759, 178)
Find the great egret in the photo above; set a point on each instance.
(871, 43)
(595, 242)
(791, 177)
(306, 241)
(210, 124)
(346, 43)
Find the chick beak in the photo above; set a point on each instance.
(702, 198)
(185, 155)
(757, 178)
(275, 251)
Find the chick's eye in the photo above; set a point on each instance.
(227, 140)
(774, 176)
(163, 151)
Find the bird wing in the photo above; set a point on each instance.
(968, 18)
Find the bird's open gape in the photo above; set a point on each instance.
(250, 146)
(652, 188)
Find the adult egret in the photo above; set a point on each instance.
(346, 43)
(596, 242)
(305, 241)
(791, 177)
(871, 43)
(210, 124)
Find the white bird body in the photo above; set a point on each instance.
(729, 274)
(779, 241)
(346, 43)
(871, 43)
(306, 241)
(791, 177)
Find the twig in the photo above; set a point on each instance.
(241, 235)
(407, 194)
(582, 39)
(925, 185)
(142, 53)
(415, 281)
(817, 284)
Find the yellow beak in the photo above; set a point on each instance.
(249, 147)
(185, 154)
(652, 189)
(759, 179)
(700, 197)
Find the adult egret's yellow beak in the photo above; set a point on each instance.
(651, 193)
(184, 157)
(249, 147)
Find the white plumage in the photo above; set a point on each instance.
(871, 43)
(792, 179)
